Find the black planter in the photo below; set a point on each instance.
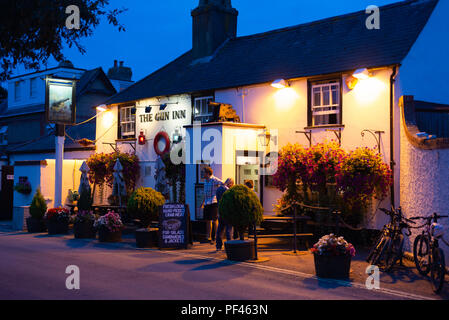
(240, 250)
(147, 238)
(105, 235)
(84, 230)
(35, 225)
(57, 227)
(333, 267)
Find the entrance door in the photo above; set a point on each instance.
(7, 193)
(249, 172)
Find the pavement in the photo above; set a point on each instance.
(32, 263)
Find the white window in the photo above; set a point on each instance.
(3, 135)
(326, 106)
(202, 110)
(127, 122)
(33, 87)
(17, 93)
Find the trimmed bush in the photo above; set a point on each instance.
(241, 208)
(85, 201)
(143, 205)
(38, 206)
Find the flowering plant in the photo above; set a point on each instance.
(23, 187)
(57, 215)
(101, 167)
(111, 221)
(84, 216)
(362, 175)
(333, 246)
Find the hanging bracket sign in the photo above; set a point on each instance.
(174, 226)
(60, 100)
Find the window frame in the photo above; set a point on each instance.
(127, 135)
(33, 93)
(202, 117)
(17, 90)
(313, 83)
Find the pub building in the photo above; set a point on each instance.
(235, 100)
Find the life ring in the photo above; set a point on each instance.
(159, 136)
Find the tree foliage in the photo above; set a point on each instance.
(32, 31)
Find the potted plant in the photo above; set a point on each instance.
(83, 225)
(57, 220)
(36, 223)
(241, 208)
(144, 205)
(109, 227)
(332, 256)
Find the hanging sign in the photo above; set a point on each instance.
(60, 100)
(174, 226)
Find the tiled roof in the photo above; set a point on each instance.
(327, 46)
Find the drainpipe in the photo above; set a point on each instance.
(392, 161)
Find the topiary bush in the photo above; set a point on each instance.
(38, 206)
(241, 208)
(143, 205)
(85, 201)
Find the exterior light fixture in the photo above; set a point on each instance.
(279, 84)
(265, 138)
(361, 74)
(102, 108)
(142, 140)
(162, 107)
(148, 109)
(177, 138)
(351, 82)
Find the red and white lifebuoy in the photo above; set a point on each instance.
(162, 135)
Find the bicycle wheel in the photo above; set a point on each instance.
(394, 253)
(421, 254)
(374, 248)
(379, 255)
(437, 270)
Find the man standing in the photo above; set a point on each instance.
(210, 202)
(222, 225)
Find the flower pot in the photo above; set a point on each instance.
(238, 250)
(57, 227)
(334, 267)
(105, 235)
(35, 225)
(84, 230)
(146, 238)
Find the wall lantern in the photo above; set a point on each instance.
(162, 107)
(279, 84)
(351, 82)
(148, 109)
(265, 138)
(142, 139)
(102, 108)
(361, 74)
(177, 137)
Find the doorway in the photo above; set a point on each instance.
(7, 193)
(248, 169)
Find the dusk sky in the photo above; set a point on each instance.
(159, 31)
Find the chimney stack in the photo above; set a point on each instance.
(120, 72)
(214, 21)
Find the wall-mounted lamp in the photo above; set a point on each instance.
(177, 137)
(361, 74)
(102, 108)
(148, 109)
(142, 139)
(162, 107)
(279, 84)
(351, 82)
(265, 138)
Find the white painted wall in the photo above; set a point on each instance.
(424, 72)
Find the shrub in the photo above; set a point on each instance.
(85, 201)
(143, 205)
(241, 208)
(38, 205)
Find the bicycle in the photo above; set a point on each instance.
(428, 256)
(389, 246)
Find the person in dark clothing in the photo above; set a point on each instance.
(223, 225)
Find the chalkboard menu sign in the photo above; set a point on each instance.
(174, 226)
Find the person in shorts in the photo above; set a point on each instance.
(210, 204)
